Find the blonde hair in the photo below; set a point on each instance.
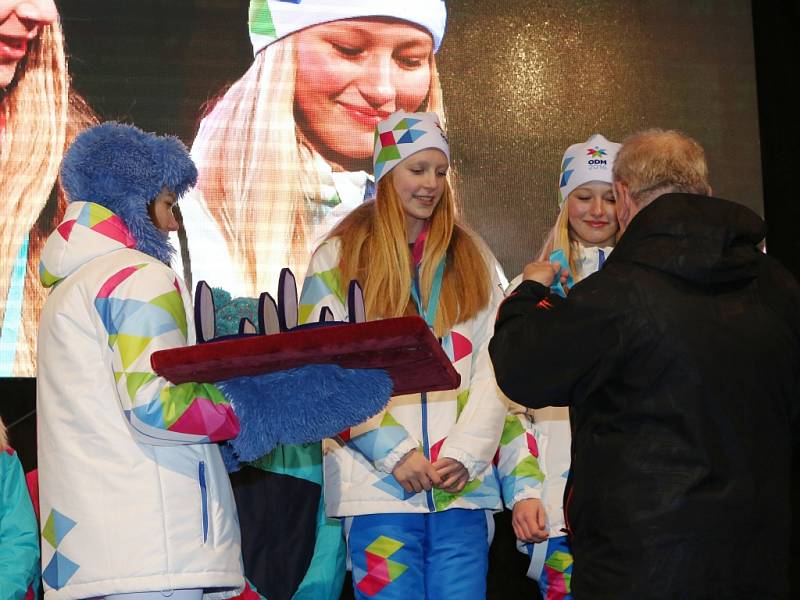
(257, 173)
(37, 113)
(656, 161)
(559, 238)
(3, 436)
(374, 251)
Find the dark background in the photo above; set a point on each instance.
(195, 65)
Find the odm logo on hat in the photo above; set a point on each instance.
(591, 160)
(596, 152)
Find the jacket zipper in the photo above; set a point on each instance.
(201, 478)
(426, 446)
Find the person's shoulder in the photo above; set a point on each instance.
(8, 456)
(325, 256)
(331, 246)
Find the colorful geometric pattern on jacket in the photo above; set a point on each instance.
(518, 466)
(141, 308)
(463, 424)
(136, 327)
(89, 222)
(60, 568)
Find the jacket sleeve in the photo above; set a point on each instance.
(381, 439)
(142, 310)
(474, 437)
(547, 350)
(19, 537)
(518, 466)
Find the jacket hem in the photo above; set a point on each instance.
(217, 581)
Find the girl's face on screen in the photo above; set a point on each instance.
(593, 214)
(20, 22)
(352, 74)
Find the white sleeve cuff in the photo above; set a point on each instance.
(389, 462)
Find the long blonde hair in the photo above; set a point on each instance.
(374, 251)
(257, 171)
(40, 117)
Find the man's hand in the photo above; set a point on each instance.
(415, 473)
(454, 475)
(529, 521)
(544, 272)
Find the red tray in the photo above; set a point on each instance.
(404, 346)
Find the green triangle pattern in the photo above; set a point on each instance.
(528, 467)
(259, 18)
(333, 279)
(137, 379)
(395, 569)
(304, 312)
(444, 499)
(461, 402)
(559, 560)
(388, 153)
(512, 429)
(384, 546)
(47, 278)
(173, 304)
(389, 420)
(49, 530)
(131, 347)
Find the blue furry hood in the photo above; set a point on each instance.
(123, 169)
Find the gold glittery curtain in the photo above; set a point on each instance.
(524, 79)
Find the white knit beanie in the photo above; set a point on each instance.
(270, 20)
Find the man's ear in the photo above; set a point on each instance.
(623, 203)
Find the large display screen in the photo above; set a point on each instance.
(278, 100)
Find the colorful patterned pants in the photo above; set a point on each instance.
(551, 567)
(432, 556)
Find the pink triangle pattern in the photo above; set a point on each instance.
(377, 576)
(461, 346)
(436, 448)
(112, 282)
(533, 447)
(202, 415)
(556, 584)
(115, 229)
(65, 229)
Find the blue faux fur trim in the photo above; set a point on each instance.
(300, 405)
(123, 168)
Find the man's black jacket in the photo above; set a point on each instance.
(680, 361)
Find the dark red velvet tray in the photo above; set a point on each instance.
(404, 346)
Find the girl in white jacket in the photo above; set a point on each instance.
(416, 481)
(584, 234)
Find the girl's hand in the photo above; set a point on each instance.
(415, 473)
(529, 521)
(454, 475)
(544, 272)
